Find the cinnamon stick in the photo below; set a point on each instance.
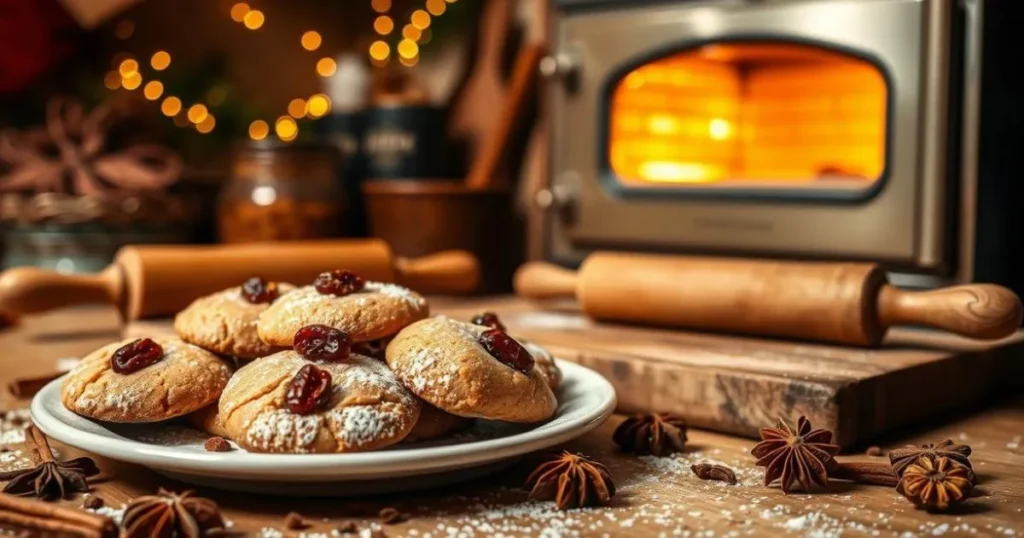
(27, 387)
(41, 516)
(866, 472)
(36, 441)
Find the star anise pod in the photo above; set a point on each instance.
(903, 457)
(935, 482)
(571, 480)
(803, 455)
(169, 515)
(657, 434)
(51, 479)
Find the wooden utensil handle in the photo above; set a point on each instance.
(542, 280)
(984, 311)
(29, 290)
(451, 271)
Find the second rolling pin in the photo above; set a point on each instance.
(160, 280)
(847, 303)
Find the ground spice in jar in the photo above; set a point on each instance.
(281, 192)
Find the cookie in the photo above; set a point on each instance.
(441, 361)
(434, 423)
(225, 323)
(366, 408)
(377, 311)
(186, 378)
(545, 362)
(207, 420)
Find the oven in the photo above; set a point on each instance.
(810, 129)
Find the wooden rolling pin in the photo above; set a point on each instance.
(152, 281)
(848, 303)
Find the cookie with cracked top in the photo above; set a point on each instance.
(225, 322)
(364, 407)
(444, 362)
(376, 311)
(178, 380)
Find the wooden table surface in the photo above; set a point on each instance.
(656, 496)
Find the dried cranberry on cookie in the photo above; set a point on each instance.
(225, 322)
(367, 311)
(471, 371)
(145, 380)
(544, 360)
(319, 397)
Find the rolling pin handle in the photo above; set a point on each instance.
(29, 290)
(542, 280)
(450, 271)
(982, 311)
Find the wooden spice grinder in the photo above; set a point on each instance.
(151, 281)
(847, 303)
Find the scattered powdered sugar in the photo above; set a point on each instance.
(12, 426)
(279, 430)
(15, 460)
(1014, 443)
(358, 425)
(394, 290)
(113, 513)
(424, 370)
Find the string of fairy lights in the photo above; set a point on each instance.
(127, 72)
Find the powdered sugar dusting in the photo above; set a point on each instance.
(280, 430)
(394, 290)
(359, 425)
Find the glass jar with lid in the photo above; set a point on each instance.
(280, 191)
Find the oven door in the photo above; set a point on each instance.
(811, 128)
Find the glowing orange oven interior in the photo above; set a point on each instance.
(749, 115)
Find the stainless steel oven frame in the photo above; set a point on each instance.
(919, 221)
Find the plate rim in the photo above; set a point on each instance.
(326, 467)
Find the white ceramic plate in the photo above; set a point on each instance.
(585, 400)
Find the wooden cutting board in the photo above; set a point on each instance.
(737, 385)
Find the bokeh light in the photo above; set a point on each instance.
(383, 25)
(112, 80)
(380, 6)
(379, 51)
(128, 67)
(411, 32)
(297, 107)
(254, 19)
(207, 124)
(132, 81)
(153, 90)
(311, 40)
(420, 19)
(436, 7)
(318, 105)
(239, 11)
(408, 48)
(286, 128)
(197, 113)
(258, 130)
(161, 60)
(326, 67)
(171, 106)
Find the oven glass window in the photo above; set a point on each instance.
(750, 116)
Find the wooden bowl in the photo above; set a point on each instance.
(420, 216)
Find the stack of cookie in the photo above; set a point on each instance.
(341, 365)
